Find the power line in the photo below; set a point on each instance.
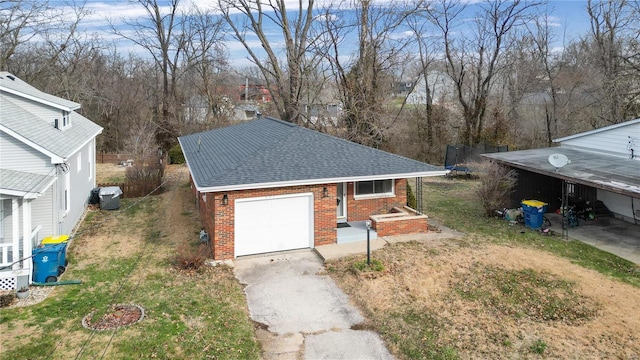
(133, 267)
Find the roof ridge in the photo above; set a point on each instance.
(261, 148)
(354, 143)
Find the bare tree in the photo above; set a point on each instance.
(551, 63)
(610, 35)
(35, 36)
(475, 59)
(160, 34)
(427, 48)
(284, 77)
(206, 63)
(366, 80)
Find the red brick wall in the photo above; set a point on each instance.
(218, 219)
(360, 209)
(401, 226)
(221, 217)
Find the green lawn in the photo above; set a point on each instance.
(189, 315)
(454, 203)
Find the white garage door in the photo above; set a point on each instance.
(273, 223)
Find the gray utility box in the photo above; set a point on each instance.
(110, 198)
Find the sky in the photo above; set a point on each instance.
(568, 17)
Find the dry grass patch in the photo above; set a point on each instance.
(492, 301)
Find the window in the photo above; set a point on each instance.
(79, 161)
(67, 191)
(89, 162)
(374, 187)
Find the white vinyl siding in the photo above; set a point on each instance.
(619, 204)
(42, 213)
(17, 156)
(373, 188)
(81, 184)
(79, 162)
(5, 220)
(612, 141)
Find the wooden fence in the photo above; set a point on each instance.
(114, 158)
(138, 189)
(145, 184)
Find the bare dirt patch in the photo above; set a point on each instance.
(423, 278)
(110, 173)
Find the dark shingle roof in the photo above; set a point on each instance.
(270, 152)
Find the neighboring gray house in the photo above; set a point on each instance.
(440, 84)
(47, 171)
(604, 167)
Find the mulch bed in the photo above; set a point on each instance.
(117, 316)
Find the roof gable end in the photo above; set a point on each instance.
(13, 85)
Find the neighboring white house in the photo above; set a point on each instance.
(604, 167)
(440, 84)
(47, 171)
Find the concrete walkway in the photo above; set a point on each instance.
(336, 251)
(302, 313)
(609, 234)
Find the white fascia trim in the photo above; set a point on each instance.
(55, 159)
(21, 194)
(29, 194)
(318, 181)
(41, 100)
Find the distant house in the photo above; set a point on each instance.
(604, 167)
(47, 171)
(441, 86)
(255, 93)
(268, 185)
(327, 114)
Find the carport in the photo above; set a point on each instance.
(586, 173)
(611, 184)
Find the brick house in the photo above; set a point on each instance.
(268, 185)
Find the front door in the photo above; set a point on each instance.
(342, 202)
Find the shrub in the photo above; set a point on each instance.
(538, 347)
(495, 187)
(175, 155)
(362, 266)
(190, 257)
(411, 198)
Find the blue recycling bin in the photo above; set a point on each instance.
(57, 240)
(48, 262)
(533, 211)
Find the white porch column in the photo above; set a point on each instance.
(27, 242)
(15, 233)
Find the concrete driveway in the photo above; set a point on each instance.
(302, 313)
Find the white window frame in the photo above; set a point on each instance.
(374, 195)
(67, 192)
(79, 161)
(90, 161)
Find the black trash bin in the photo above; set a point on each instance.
(94, 197)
